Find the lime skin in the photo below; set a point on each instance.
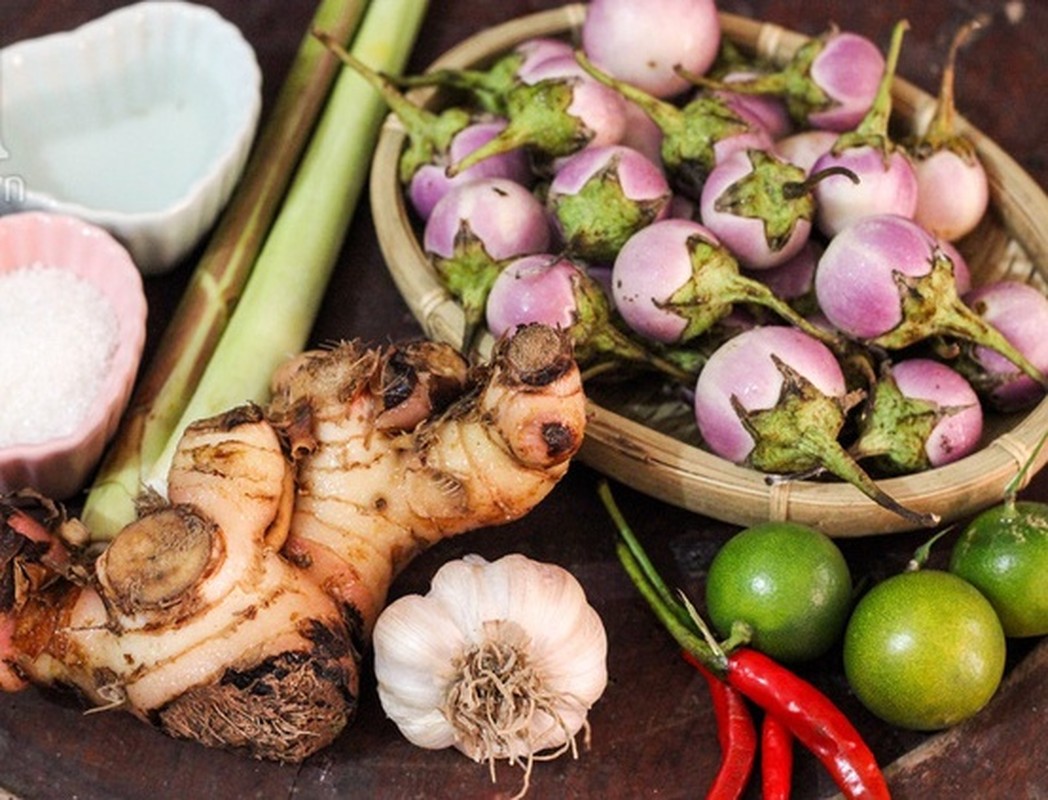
(1003, 552)
(924, 650)
(789, 583)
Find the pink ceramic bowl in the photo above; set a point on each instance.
(59, 467)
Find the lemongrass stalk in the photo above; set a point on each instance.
(283, 295)
(164, 388)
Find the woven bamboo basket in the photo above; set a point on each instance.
(646, 443)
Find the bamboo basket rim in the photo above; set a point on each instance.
(682, 474)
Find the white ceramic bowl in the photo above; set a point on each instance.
(139, 121)
(60, 465)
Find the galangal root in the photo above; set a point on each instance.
(234, 611)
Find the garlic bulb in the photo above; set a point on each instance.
(501, 660)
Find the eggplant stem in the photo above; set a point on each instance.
(413, 117)
(791, 191)
(875, 123)
(969, 325)
(941, 129)
(801, 431)
(837, 460)
(748, 290)
(931, 306)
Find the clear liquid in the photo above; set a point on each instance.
(139, 163)
(134, 159)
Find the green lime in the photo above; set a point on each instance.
(924, 650)
(788, 582)
(1004, 553)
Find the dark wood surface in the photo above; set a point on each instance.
(652, 732)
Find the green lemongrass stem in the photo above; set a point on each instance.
(164, 388)
(275, 316)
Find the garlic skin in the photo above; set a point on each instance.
(526, 622)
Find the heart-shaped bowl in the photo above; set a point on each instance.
(635, 436)
(70, 297)
(139, 121)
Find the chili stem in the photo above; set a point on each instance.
(690, 640)
(673, 609)
(646, 569)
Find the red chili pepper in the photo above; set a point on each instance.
(812, 719)
(807, 713)
(776, 758)
(736, 733)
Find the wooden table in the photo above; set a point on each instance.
(653, 733)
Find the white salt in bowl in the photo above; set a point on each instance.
(139, 121)
(63, 281)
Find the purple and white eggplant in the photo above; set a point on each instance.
(673, 280)
(962, 271)
(430, 182)
(887, 183)
(829, 83)
(601, 196)
(558, 291)
(1020, 313)
(555, 110)
(436, 140)
(473, 231)
(952, 186)
(643, 43)
(775, 399)
(768, 110)
(794, 279)
(642, 133)
(952, 192)
(804, 148)
(760, 206)
(920, 414)
(887, 282)
(696, 136)
(489, 87)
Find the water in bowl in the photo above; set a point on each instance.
(128, 155)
